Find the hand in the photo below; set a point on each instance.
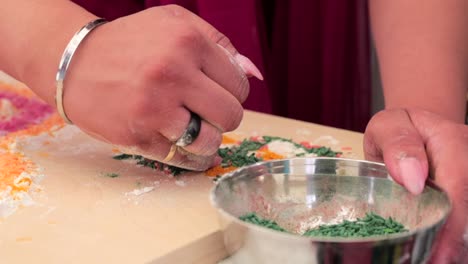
(134, 80)
(411, 143)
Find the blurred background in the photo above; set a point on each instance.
(317, 57)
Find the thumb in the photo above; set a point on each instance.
(392, 138)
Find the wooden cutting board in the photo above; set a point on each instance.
(83, 216)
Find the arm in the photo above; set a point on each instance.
(134, 81)
(423, 51)
(34, 35)
(422, 47)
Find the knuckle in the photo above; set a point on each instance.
(184, 34)
(160, 70)
(188, 37)
(175, 10)
(219, 38)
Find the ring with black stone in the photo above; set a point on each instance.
(191, 132)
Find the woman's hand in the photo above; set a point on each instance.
(413, 142)
(133, 81)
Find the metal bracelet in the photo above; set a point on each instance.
(67, 55)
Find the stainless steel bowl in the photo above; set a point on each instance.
(303, 193)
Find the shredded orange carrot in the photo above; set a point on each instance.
(268, 155)
(13, 164)
(228, 140)
(219, 170)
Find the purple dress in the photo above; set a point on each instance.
(314, 54)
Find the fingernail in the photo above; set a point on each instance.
(245, 64)
(248, 67)
(412, 175)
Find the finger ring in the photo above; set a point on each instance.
(171, 154)
(191, 132)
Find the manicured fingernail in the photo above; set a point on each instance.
(248, 67)
(245, 64)
(412, 175)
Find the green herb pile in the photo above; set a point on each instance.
(155, 165)
(371, 225)
(238, 156)
(253, 218)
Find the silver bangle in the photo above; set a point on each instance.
(67, 55)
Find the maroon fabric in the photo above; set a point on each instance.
(112, 9)
(322, 50)
(314, 54)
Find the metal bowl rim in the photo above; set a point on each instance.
(392, 238)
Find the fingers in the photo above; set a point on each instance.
(185, 70)
(204, 27)
(214, 104)
(160, 149)
(400, 146)
(452, 242)
(447, 144)
(174, 124)
(245, 64)
(222, 68)
(452, 245)
(219, 110)
(151, 137)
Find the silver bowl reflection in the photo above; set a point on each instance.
(303, 193)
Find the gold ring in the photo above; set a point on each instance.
(171, 153)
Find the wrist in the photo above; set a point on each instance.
(451, 109)
(38, 69)
(66, 59)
